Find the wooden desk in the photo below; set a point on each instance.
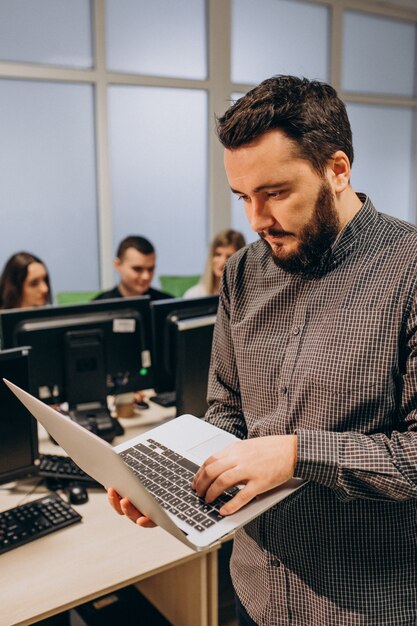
(104, 553)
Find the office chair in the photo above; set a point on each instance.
(177, 285)
(75, 297)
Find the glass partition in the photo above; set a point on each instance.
(50, 32)
(279, 37)
(48, 192)
(379, 55)
(161, 37)
(385, 162)
(158, 159)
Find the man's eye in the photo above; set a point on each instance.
(244, 198)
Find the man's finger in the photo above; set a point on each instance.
(223, 482)
(114, 500)
(136, 516)
(244, 495)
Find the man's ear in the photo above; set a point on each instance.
(339, 171)
(117, 263)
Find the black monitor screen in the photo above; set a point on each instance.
(83, 351)
(193, 354)
(18, 433)
(165, 316)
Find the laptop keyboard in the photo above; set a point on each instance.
(168, 477)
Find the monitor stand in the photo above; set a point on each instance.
(98, 420)
(85, 383)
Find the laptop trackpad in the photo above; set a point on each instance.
(208, 447)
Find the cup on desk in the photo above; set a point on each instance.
(124, 403)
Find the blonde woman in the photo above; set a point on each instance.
(223, 246)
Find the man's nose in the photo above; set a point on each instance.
(259, 216)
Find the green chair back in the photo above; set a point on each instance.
(177, 285)
(75, 297)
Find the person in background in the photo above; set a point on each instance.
(24, 282)
(223, 246)
(314, 367)
(135, 263)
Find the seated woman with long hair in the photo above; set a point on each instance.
(24, 282)
(226, 243)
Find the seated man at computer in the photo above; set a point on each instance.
(135, 262)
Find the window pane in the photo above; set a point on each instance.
(379, 55)
(161, 37)
(158, 158)
(385, 164)
(48, 190)
(278, 37)
(51, 32)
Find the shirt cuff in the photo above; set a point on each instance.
(318, 456)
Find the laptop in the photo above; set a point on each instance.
(155, 469)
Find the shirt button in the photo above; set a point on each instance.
(283, 389)
(275, 562)
(295, 330)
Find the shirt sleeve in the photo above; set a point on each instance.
(378, 465)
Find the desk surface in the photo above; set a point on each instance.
(102, 553)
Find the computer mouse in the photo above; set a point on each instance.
(142, 405)
(77, 493)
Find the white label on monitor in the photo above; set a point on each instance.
(146, 358)
(124, 325)
(44, 392)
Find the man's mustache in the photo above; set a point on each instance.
(274, 233)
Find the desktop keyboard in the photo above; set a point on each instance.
(35, 519)
(63, 468)
(165, 398)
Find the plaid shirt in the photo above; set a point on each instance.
(332, 356)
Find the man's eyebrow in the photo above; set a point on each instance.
(261, 188)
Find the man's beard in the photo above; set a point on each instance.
(314, 239)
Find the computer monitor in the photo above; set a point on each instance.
(82, 352)
(18, 431)
(194, 337)
(181, 347)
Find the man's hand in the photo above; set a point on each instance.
(123, 506)
(260, 464)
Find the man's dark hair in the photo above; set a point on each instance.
(141, 244)
(308, 111)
